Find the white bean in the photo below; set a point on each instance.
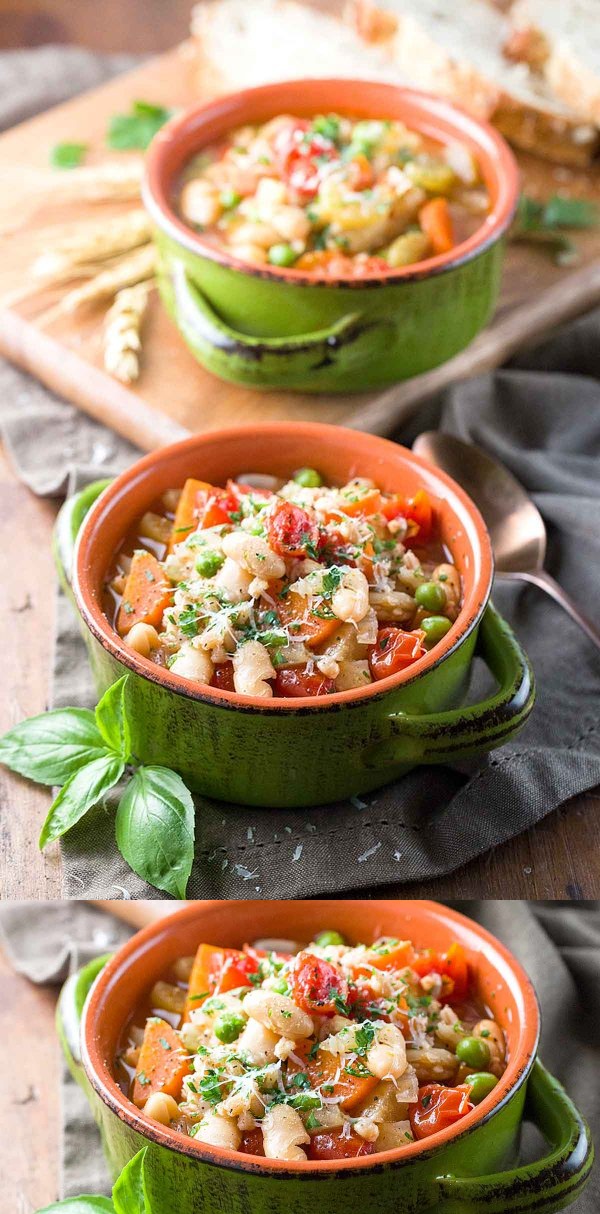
(233, 580)
(143, 638)
(279, 1013)
(351, 599)
(253, 553)
(200, 202)
(161, 1107)
(387, 1057)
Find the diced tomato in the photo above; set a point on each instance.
(296, 681)
(333, 548)
(438, 1107)
(333, 1144)
(223, 677)
(291, 529)
(360, 173)
(452, 967)
(394, 650)
(201, 505)
(319, 988)
(301, 158)
(252, 1142)
(216, 971)
(418, 510)
(361, 503)
(364, 1003)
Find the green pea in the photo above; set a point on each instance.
(228, 1027)
(230, 198)
(308, 478)
(480, 1085)
(473, 1051)
(431, 596)
(435, 627)
(280, 986)
(327, 938)
(209, 562)
(282, 255)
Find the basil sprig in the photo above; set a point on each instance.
(87, 753)
(128, 1197)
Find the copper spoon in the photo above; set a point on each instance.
(516, 527)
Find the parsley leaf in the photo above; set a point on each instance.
(67, 155)
(137, 128)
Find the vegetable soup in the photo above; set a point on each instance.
(281, 589)
(318, 1051)
(333, 195)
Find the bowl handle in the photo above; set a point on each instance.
(461, 732)
(67, 525)
(350, 341)
(549, 1184)
(69, 1011)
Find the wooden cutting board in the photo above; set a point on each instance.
(174, 396)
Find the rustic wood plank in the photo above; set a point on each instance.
(27, 626)
(30, 1121)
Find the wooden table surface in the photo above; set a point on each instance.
(559, 858)
(30, 1110)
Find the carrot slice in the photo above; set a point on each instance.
(162, 1066)
(147, 593)
(323, 1068)
(293, 609)
(364, 503)
(215, 971)
(200, 505)
(436, 222)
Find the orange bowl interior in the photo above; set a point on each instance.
(278, 449)
(500, 981)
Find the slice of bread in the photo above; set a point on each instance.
(456, 48)
(561, 40)
(246, 42)
(450, 47)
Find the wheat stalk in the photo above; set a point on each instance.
(92, 243)
(122, 332)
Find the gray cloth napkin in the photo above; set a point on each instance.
(559, 946)
(542, 417)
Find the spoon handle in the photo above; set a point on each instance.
(546, 582)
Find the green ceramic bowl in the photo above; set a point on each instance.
(279, 328)
(304, 751)
(470, 1168)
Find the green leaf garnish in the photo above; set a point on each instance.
(112, 720)
(67, 155)
(51, 747)
(84, 789)
(137, 128)
(154, 829)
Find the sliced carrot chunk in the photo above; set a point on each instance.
(294, 609)
(162, 1065)
(200, 505)
(323, 1069)
(436, 222)
(147, 593)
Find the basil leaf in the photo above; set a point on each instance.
(112, 721)
(68, 155)
(138, 128)
(129, 1194)
(51, 747)
(80, 1205)
(562, 212)
(155, 828)
(84, 789)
